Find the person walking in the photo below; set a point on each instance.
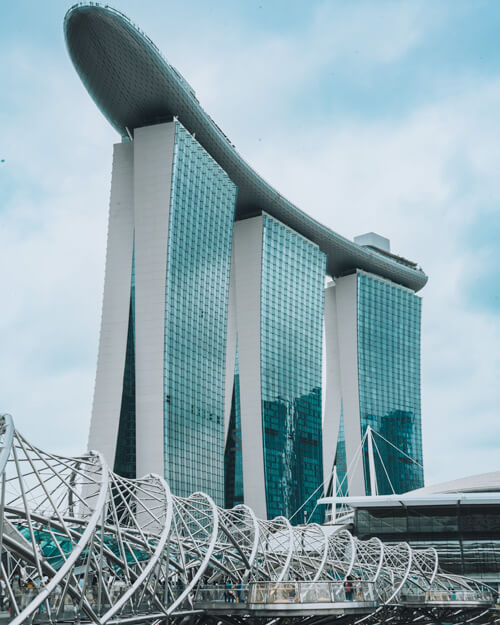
(230, 592)
(349, 588)
(3, 592)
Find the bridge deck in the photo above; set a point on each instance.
(215, 608)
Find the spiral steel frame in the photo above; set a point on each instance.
(81, 543)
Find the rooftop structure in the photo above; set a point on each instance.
(372, 239)
(479, 483)
(136, 86)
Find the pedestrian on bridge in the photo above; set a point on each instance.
(230, 596)
(349, 588)
(3, 592)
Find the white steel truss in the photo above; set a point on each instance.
(82, 544)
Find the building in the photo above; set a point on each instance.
(277, 312)
(211, 352)
(373, 379)
(460, 519)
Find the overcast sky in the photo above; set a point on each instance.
(378, 116)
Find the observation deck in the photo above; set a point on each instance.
(134, 85)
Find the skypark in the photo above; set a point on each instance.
(135, 86)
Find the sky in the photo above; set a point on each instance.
(370, 116)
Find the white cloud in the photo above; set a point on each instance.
(53, 212)
(247, 77)
(420, 179)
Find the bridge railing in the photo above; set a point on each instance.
(288, 592)
(68, 609)
(222, 594)
(445, 596)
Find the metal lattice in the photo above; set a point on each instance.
(80, 543)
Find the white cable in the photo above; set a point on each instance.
(397, 448)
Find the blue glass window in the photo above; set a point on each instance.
(125, 446)
(202, 208)
(233, 459)
(389, 318)
(292, 300)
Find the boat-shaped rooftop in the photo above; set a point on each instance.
(134, 85)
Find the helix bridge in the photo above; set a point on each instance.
(80, 544)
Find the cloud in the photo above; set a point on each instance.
(53, 210)
(426, 176)
(250, 75)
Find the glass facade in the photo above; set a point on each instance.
(388, 332)
(233, 459)
(198, 265)
(292, 298)
(125, 446)
(341, 461)
(467, 537)
(202, 208)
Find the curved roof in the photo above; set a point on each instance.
(133, 85)
(480, 483)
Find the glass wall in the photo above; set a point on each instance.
(467, 537)
(125, 446)
(292, 299)
(341, 461)
(198, 265)
(389, 381)
(233, 459)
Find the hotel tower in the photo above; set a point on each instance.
(244, 347)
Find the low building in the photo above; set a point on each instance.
(460, 519)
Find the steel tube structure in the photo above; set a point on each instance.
(80, 543)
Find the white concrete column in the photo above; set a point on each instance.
(247, 245)
(115, 307)
(153, 160)
(347, 332)
(333, 390)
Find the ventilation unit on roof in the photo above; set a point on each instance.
(372, 239)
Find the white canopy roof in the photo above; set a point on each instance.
(472, 490)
